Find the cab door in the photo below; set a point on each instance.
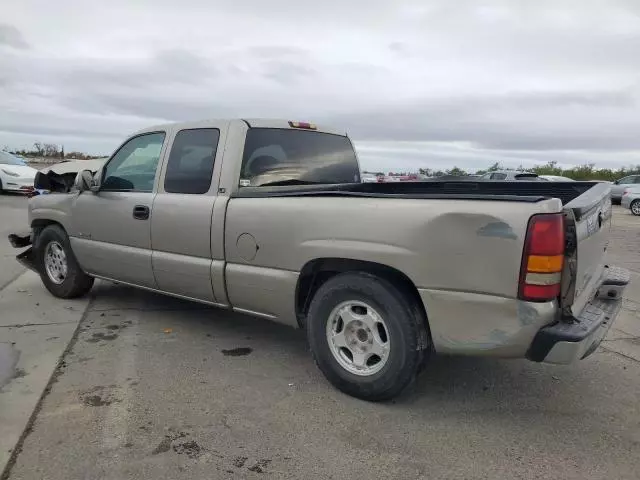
(111, 228)
(182, 212)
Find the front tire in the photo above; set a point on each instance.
(635, 207)
(365, 337)
(58, 267)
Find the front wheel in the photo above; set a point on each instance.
(635, 207)
(364, 336)
(58, 267)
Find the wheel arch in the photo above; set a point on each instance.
(317, 271)
(40, 224)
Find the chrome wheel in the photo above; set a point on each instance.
(358, 338)
(635, 208)
(55, 262)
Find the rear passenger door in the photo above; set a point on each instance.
(182, 212)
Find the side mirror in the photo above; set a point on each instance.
(83, 180)
(96, 181)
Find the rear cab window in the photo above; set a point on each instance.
(190, 164)
(274, 156)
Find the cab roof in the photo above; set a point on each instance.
(250, 122)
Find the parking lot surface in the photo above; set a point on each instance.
(158, 388)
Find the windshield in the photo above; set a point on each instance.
(282, 156)
(7, 158)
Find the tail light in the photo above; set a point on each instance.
(543, 258)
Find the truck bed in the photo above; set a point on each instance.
(462, 190)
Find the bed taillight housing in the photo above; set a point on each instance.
(543, 258)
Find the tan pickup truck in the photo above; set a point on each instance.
(270, 218)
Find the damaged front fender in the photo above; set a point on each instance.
(28, 259)
(20, 240)
(52, 182)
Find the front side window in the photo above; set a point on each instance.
(275, 156)
(190, 164)
(133, 167)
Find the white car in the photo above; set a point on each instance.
(556, 178)
(15, 174)
(368, 178)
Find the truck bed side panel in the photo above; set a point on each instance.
(441, 245)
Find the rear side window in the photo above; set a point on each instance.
(190, 165)
(498, 176)
(291, 157)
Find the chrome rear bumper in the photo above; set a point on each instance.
(578, 337)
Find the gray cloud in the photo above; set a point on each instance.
(10, 36)
(414, 82)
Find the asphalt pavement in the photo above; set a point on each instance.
(157, 388)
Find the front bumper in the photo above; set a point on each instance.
(22, 240)
(24, 185)
(578, 337)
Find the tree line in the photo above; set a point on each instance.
(49, 150)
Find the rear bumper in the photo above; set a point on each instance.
(575, 338)
(626, 201)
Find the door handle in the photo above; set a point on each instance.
(141, 212)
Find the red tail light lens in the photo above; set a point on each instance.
(305, 125)
(543, 258)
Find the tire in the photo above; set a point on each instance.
(74, 283)
(1, 189)
(365, 296)
(635, 207)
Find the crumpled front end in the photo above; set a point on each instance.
(22, 240)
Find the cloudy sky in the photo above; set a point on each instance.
(416, 83)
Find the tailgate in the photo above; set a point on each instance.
(588, 219)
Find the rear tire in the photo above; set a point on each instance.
(635, 207)
(58, 267)
(1, 189)
(365, 336)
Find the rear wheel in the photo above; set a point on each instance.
(1, 189)
(58, 267)
(364, 336)
(635, 207)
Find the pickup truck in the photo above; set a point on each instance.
(270, 218)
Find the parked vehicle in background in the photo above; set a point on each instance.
(555, 178)
(631, 199)
(368, 178)
(619, 185)
(270, 218)
(15, 174)
(510, 176)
